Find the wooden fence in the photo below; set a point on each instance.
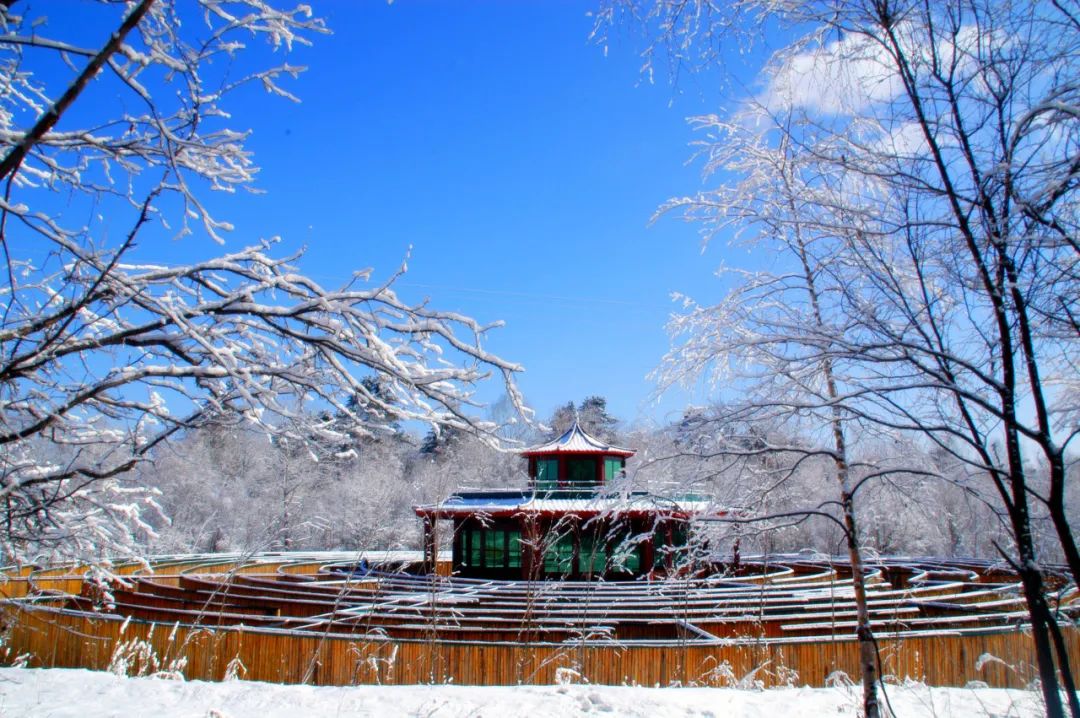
(52, 637)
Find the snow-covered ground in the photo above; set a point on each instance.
(61, 693)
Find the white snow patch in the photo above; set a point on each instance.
(69, 693)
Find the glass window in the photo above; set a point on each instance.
(559, 556)
(513, 544)
(461, 547)
(592, 558)
(476, 547)
(630, 561)
(671, 543)
(680, 543)
(612, 467)
(581, 471)
(494, 549)
(547, 473)
(625, 554)
(491, 548)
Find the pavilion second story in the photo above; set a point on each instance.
(575, 461)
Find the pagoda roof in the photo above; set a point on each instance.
(576, 440)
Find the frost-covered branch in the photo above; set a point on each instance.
(915, 164)
(104, 352)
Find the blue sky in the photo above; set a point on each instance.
(521, 165)
(518, 161)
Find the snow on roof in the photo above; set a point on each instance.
(510, 503)
(577, 441)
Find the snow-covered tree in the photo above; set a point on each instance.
(773, 336)
(935, 155)
(591, 413)
(116, 130)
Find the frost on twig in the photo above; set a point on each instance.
(104, 352)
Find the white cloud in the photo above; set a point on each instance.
(839, 78)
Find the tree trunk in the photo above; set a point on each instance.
(1041, 618)
(1056, 507)
(1031, 580)
(867, 646)
(1067, 681)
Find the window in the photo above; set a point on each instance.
(494, 549)
(592, 558)
(675, 551)
(559, 556)
(547, 473)
(625, 553)
(476, 546)
(513, 542)
(660, 555)
(627, 558)
(461, 547)
(581, 471)
(680, 544)
(491, 548)
(612, 467)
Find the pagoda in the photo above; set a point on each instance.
(577, 519)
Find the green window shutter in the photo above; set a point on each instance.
(581, 471)
(514, 545)
(680, 543)
(592, 557)
(494, 549)
(547, 473)
(476, 547)
(559, 556)
(585, 553)
(625, 552)
(612, 467)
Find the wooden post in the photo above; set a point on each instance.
(575, 556)
(457, 546)
(530, 548)
(431, 546)
(648, 553)
(669, 557)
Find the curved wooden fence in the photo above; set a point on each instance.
(304, 620)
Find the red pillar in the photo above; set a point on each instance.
(648, 551)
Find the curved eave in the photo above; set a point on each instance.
(436, 512)
(610, 451)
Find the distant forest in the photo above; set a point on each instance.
(227, 488)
